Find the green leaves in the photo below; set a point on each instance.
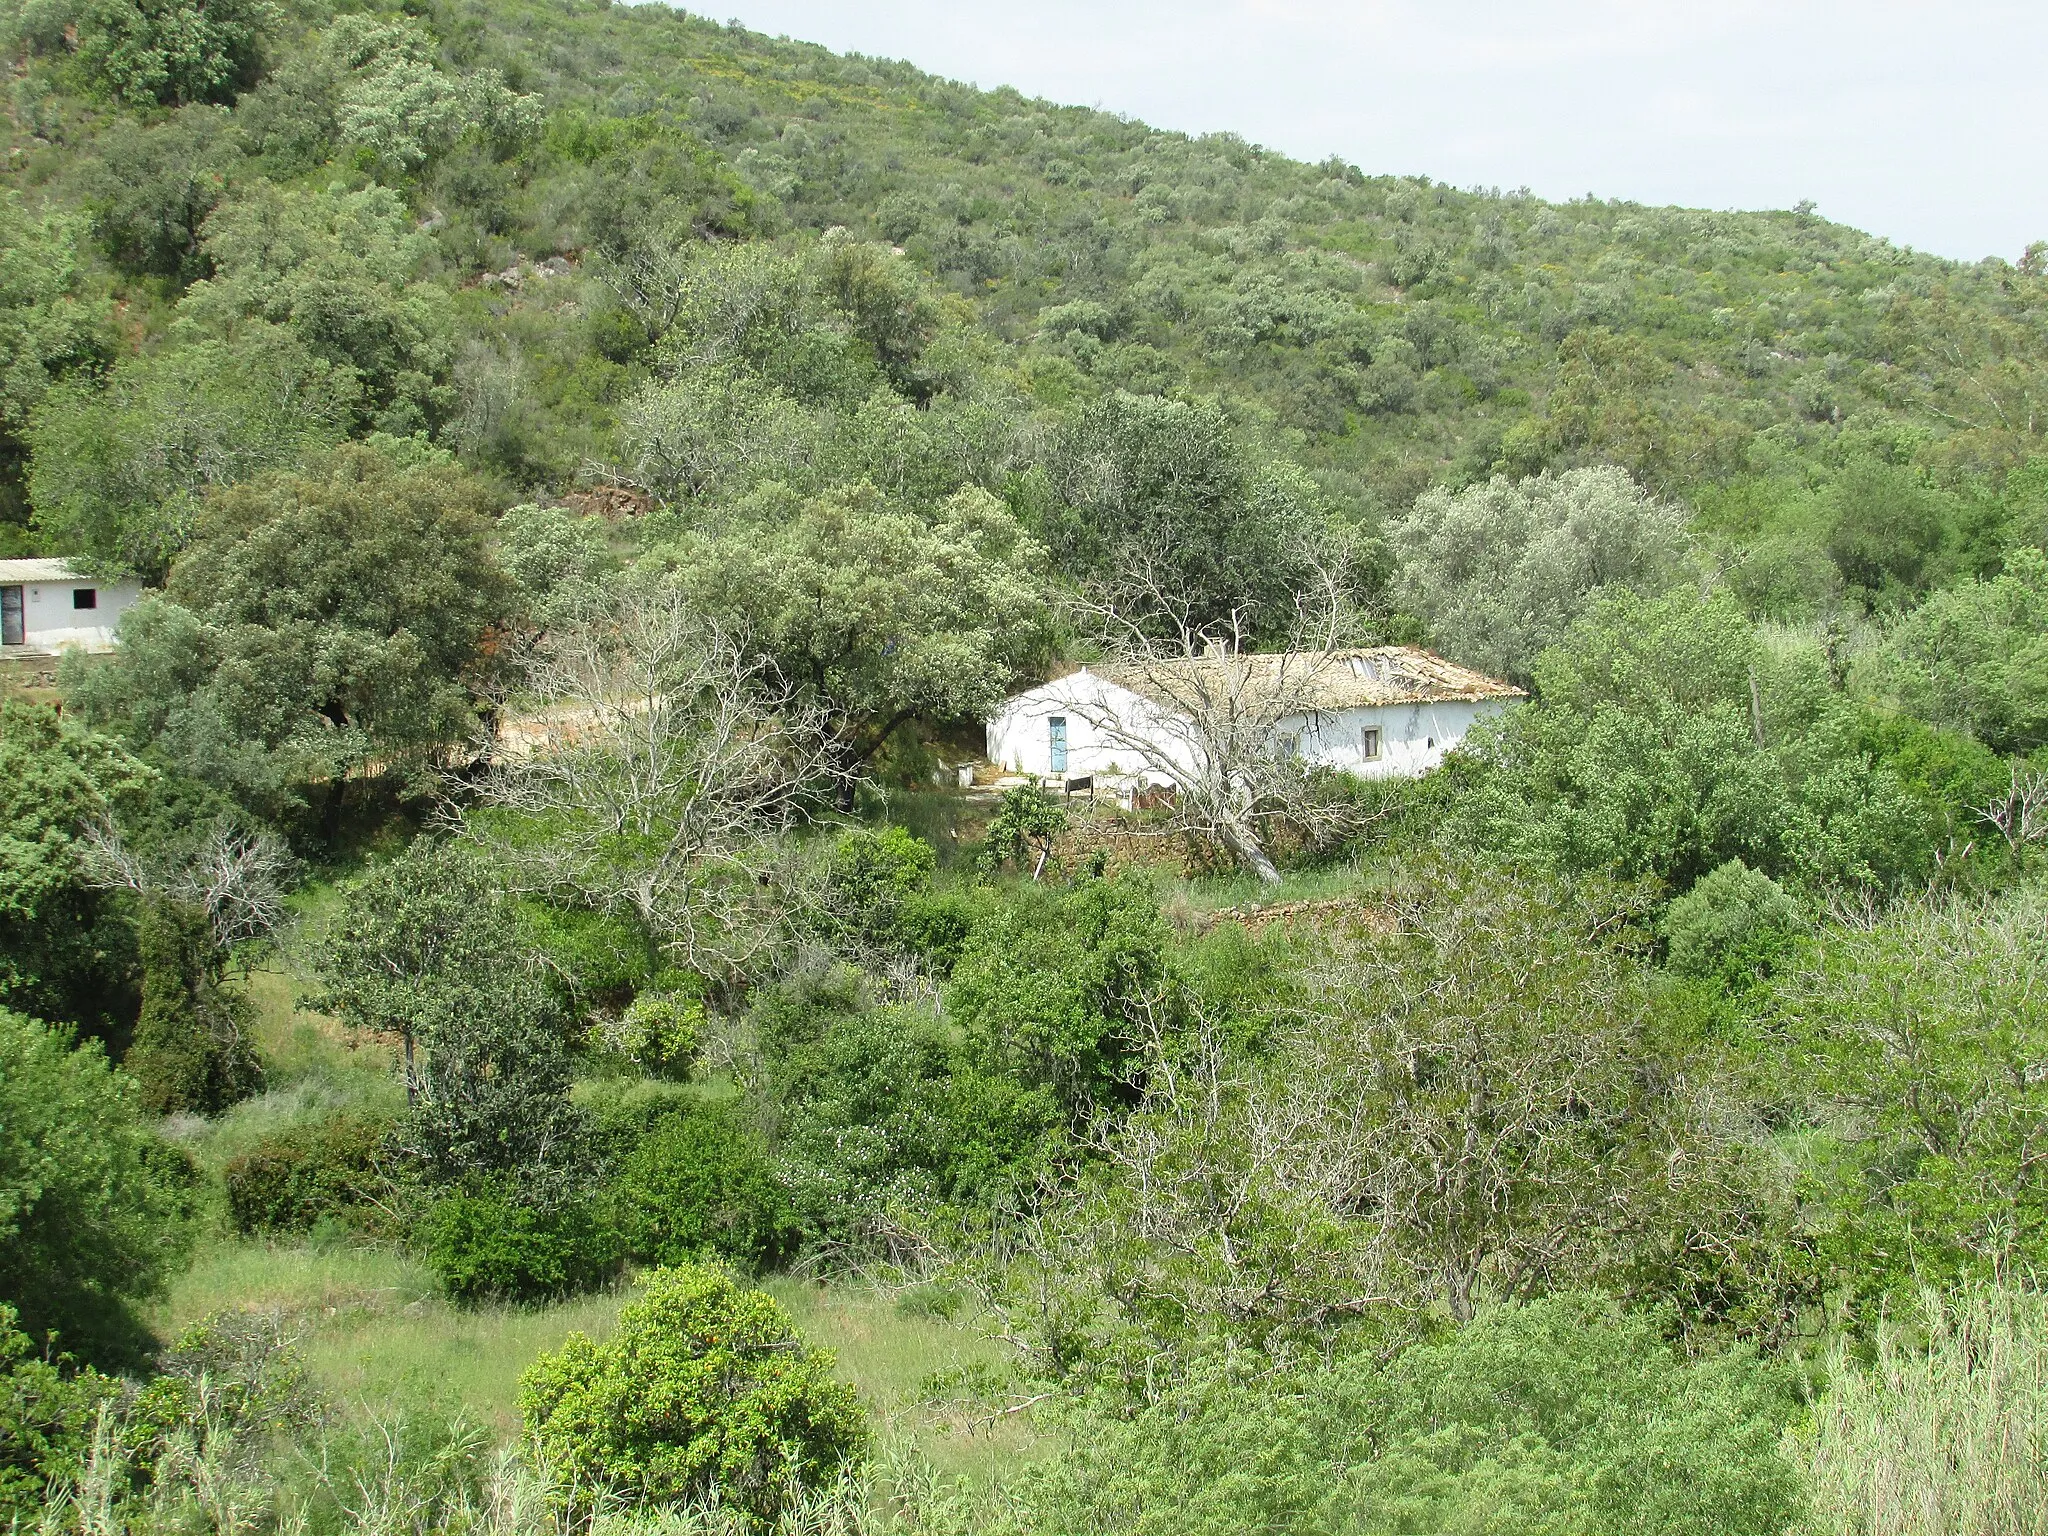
(702, 1389)
(93, 1208)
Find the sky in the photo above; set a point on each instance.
(1921, 122)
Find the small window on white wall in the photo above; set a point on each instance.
(1369, 743)
(85, 597)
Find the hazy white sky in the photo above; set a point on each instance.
(1924, 122)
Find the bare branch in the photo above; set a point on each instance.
(238, 878)
(656, 777)
(1224, 724)
(2021, 813)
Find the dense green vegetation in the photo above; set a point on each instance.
(486, 976)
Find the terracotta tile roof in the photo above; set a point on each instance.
(1365, 678)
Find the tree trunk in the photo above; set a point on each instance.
(1245, 847)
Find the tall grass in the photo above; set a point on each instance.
(1949, 1438)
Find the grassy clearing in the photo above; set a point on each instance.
(374, 1330)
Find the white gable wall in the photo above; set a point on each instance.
(1020, 734)
(1413, 737)
(1101, 718)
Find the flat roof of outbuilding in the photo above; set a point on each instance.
(16, 571)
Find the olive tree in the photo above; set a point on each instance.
(1499, 571)
(874, 616)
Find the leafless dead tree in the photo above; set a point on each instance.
(655, 777)
(238, 878)
(2021, 813)
(1227, 722)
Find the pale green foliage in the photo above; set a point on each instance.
(1565, 1415)
(1733, 922)
(1940, 1438)
(702, 1389)
(119, 473)
(556, 557)
(1500, 570)
(394, 102)
(46, 325)
(712, 430)
(1975, 657)
(875, 614)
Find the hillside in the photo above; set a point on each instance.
(1385, 334)
(525, 1009)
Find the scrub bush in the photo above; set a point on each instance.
(486, 1245)
(703, 1391)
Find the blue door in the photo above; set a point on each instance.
(1058, 727)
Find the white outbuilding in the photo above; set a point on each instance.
(46, 607)
(1382, 711)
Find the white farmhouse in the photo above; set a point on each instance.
(46, 607)
(1390, 710)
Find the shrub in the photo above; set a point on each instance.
(660, 1033)
(96, 1207)
(870, 878)
(704, 1390)
(487, 1245)
(1564, 1415)
(192, 1052)
(292, 1180)
(700, 1184)
(1735, 922)
(46, 1419)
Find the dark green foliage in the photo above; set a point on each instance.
(1049, 989)
(318, 623)
(67, 951)
(96, 1208)
(48, 1408)
(1734, 924)
(309, 1175)
(192, 1052)
(429, 949)
(1974, 657)
(880, 1115)
(700, 1185)
(1666, 740)
(1166, 487)
(152, 189)
(489, 1244)
(170, 52)
(703, 1387)
(1908, 1048)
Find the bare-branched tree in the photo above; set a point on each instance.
(1224, 724)
(2021, 813)
(237, 877)
(655, 779)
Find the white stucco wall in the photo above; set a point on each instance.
(52, 622)
(1413, 737)
(1020, 733)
